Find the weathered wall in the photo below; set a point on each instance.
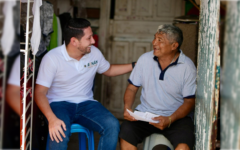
(230, 91)
(207, 76)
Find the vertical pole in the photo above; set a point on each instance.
(33, 79)
(230, 91)
(3, 86)
(3, 100)
(207, 75)
(23, 117)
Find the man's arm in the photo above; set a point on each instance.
(181, 112)
(55, 125)
(184, 109)
(116, 70)
(13, 97)
(129, 98)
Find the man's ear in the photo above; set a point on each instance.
(175, 45)
(73, 41)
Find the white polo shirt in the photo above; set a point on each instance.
(163, 91)
(69, 79)
(14, 78)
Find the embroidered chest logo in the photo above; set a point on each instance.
(91, 64)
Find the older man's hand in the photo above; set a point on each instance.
(163, 122)
(127, 116)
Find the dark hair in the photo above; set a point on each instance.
(74, 28)
(174, 33)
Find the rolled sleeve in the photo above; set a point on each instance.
(104, 65)
(136, 75)
(190, 86)
(14, 78)
(46, 72)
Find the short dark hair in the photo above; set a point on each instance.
(74, 28)
(174, 33)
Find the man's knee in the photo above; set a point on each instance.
(112, 125)
(128, 134)
(62, 145)
(182, 146)
(124, 145)
(67, 133)
(126, 127)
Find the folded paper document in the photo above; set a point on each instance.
(143, 116)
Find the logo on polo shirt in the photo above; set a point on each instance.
(91, 64)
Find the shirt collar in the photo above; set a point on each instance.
(180, 59)
(66, 56)
(65, 53)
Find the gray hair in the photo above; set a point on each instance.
(173, 33)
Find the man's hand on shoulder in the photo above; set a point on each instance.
(56, 127)
(127, 116)
(163, 122)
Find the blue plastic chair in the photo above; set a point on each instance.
(82, 131)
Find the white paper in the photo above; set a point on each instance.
(143, 116)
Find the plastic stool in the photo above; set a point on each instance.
(76, 128)
(156, 139)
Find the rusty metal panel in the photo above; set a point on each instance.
(207, 94)
(230, 91)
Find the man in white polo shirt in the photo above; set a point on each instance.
(168, 80)
(64, 88)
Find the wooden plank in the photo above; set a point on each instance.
(230, 92)
(93, 3)
(103, 42)
(55, 4)
(93, 13)
(207, 76)
(104, 25)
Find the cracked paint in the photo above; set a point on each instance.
(207, 76)
(230, 80)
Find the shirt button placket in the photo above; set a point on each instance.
(80, 65)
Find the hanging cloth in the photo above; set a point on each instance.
(46, 22)
(8, 27)
(54, 35)
(36, 30)
(59, 32)
(16, 22)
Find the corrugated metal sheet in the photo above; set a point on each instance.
(230, 91)
(207, 76)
